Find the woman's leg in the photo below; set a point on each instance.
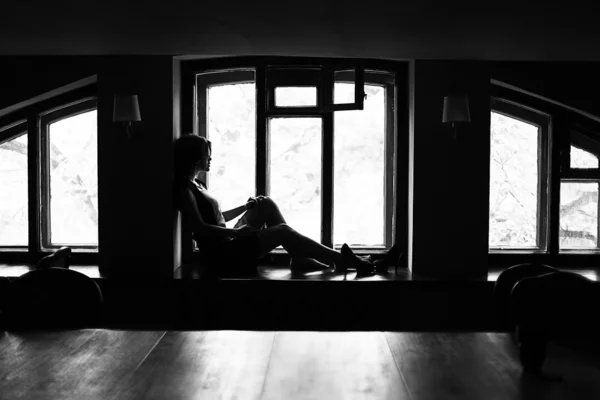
(296, 244)
(264, 212)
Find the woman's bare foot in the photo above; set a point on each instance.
(306, 264)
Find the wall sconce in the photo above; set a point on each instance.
(456, 109)
(126, 110)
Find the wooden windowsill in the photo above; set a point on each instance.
(279, 272)
(587, 272)
(14, 270)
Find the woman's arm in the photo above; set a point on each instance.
(234, 212)
(190, 212)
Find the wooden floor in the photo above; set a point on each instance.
(246, 365)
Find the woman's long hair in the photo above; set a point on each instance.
(187, 151)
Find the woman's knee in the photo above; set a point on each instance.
(267, 202)
(284, 230)
(273, 236)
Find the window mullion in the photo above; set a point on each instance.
(556, 131)
(33, 188)
(389, 165)
(44, 183)
(262, 156)
(327, 181)
(543, 189)
(327, 160)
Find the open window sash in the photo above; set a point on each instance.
(321, 77)
(586, 141)
(348, 74)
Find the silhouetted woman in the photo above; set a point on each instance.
(261, 228)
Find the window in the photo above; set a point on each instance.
(13, 180)
(581, 159)
(331, 172)
(48, 166)
(518, 178)
(544, 182)
(226, 102)
(362, 159)
(70, 176)
(578, 215)
(578, 221)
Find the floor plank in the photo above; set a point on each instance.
(332, 365)
(70, 364)
(445, 366)
(203, 365)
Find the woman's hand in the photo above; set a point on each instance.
(251, 203)
(254, 201)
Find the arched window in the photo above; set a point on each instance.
(49, 178)
(518, 154)
(70, 176)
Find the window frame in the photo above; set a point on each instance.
(581, 135)
(583, 251)
(31, 115)
(396, 133)
(562, 120)
(45, 119)
(534, 117)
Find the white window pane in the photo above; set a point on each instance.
(578, 215)
(13, 195)
(582, 159)
(295, 172)
(296, 96)
(74, 180)
(513, 183)
(359, 169)
(232, 131)
(344, 87)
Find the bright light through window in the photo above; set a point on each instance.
(232, 132)
(74, 180)
(295, 165)
(582, 159)
(296, 96)
(359, 168)
(578, 215)
(513, 183)
(13, 195)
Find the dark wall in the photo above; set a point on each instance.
(575, 84)
(25, 77)
(450, 191)
(135, 175)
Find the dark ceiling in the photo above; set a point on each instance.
(507, 30)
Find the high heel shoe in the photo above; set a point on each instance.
(392, 257)
(362, 266)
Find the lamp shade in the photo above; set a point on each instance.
(126, 108)
(456, 109)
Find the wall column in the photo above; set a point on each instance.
(135, 175)
(448, 180)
